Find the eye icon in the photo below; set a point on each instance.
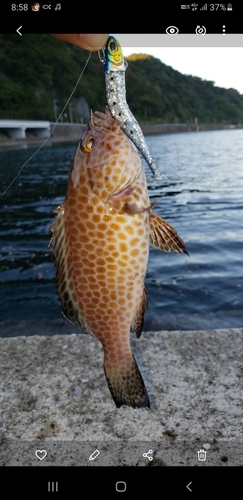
(172, 30)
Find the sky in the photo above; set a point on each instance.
(222, 65)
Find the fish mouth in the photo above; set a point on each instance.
(103, 122)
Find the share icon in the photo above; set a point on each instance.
(146, 455)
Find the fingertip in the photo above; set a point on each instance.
(93, 41)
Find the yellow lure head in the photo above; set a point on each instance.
(114, 60)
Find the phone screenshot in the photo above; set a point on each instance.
(121, 285)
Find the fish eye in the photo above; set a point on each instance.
(88, 144)
(113, 46)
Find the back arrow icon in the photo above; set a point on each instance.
(188, 486)
(19, 31)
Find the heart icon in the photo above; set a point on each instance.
(40, 454)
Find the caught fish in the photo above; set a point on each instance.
(100, 240)
(115, 68)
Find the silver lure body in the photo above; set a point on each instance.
(119, 109)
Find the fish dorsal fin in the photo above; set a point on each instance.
(164, 236)
(65, 280)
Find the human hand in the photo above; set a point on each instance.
(88, 41)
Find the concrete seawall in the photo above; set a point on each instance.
(61, 133)
(54, 396)
(170, 128)
(64, 132)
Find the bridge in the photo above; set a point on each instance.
(16, 129)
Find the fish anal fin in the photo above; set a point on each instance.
(137, 323)
(164, 236)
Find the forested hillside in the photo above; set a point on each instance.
(38, 73)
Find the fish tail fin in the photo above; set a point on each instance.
(126, 383)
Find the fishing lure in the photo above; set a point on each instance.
(115, 68)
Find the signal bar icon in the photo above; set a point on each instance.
(204, 7)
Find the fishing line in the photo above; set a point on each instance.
(54, 126)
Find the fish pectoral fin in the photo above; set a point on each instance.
(134, 209)
(137, 323)
(164, 236)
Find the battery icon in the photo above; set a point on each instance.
(229, 6)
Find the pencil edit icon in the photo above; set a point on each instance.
(94, 455)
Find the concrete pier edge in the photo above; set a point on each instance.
(54, 396)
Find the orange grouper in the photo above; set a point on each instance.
(100, 240)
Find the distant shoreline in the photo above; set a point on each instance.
(66, 132)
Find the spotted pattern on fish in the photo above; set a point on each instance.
(100, 240)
